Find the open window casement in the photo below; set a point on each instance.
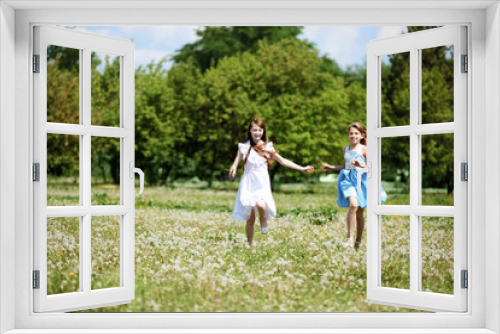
(86, 220)
(417, 295)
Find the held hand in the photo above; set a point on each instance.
(308, 169)
(357, 163)
(324, 166)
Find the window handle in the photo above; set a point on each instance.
(133, 170)
(360, 172)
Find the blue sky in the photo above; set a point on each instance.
(345, 44)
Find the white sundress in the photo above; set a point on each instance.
(255, 185)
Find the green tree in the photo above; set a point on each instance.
(215, 43)
(68, 58)
(106, 111)
(63, 106)
(63, 103)
(437, 107)
(187, 111)
(155, 123)
(189, 119)
(284, 84)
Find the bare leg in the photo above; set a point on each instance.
(250, 226)
(351, 220)
(360, 225)
(262, 206)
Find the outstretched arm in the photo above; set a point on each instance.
(334, 167)
(292, 165)
(232, 170)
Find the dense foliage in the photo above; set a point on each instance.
(437, 107)
(190, 117)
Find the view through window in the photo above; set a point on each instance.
(196, 91)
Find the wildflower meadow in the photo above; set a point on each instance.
(191, 257)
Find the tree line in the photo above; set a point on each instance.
(190, 117)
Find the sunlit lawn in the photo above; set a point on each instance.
(191, 257)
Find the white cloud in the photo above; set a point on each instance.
(154, 36)
(146, 56)
(162, 36)
(341, 42)
(159, 36)
(310, 32)
(390, 31)
(151, 42)
(168, 35)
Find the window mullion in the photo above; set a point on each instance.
(85, 242)
(373, 123)
(414, 168)
(123, 176)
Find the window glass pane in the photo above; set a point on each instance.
(105, 89)
(437, 84)
(437, 254)
(63, 84)
(437, 169)
(63, 251)
(396, 170)
(395, 72)
(105, 170)
(395, 251)
(63, 169)
(105, 252)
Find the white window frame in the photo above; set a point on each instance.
(84, 212)
(484, 103)
(415, 43)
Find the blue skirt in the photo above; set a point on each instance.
(348, 186)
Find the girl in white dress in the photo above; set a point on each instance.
(254, 192)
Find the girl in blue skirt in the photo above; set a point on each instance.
(349, 195)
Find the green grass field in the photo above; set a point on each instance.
(191, 257)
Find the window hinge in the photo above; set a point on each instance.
(36, 172)
(36, 279)
(465, 172)
(465, 63)
(36, 63)
(465, 279)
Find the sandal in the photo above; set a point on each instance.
(357, 244)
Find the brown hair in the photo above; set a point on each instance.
(361, 128)
(259, 148)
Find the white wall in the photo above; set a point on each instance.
(7, 163)
(492, 162)
(482, 106)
